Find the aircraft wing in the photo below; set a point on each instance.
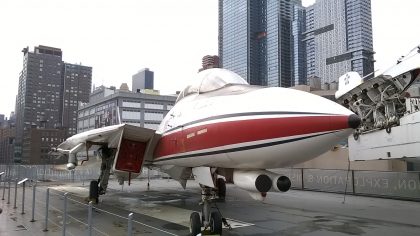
(130, 141)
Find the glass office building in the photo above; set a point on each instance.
(255, 40)
(299, 49)
(233, 36)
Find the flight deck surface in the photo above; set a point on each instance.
(166, 207)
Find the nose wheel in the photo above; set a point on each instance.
(195, 223)
(211, 220)
(216, 223)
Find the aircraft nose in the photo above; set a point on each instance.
(354, 121)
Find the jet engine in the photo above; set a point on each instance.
(261, 181)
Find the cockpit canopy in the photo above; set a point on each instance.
(210, 80)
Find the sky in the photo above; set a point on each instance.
(119, 38)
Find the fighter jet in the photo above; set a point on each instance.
(221, 129)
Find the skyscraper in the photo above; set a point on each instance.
(339, 39)
(233, 36)
(299, 49)
(76, 88)
(255, 40)
(46, 105)
(144, 79)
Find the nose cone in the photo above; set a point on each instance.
(354, 121)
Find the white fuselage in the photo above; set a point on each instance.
(242, 126)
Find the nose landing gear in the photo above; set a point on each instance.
(211, 220)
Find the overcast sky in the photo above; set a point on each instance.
(118, 38)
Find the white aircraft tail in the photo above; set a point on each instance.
(347, 82)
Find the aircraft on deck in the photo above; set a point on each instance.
(220, 130)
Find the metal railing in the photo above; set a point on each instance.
(61, 206)
(47, 173)
(58, 173)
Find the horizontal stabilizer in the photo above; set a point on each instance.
(134, 145)
(109, 135)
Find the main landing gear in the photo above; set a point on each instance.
(99, 187)
(210, 219)
(94, 191)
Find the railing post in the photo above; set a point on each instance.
(47, 200)
(130, 225)
(1, 175)
(4, 189)
(4, 185)
(90, 219)
(8, 194)
(23, 182)
(33, 202)
(65, 214)
(23, 198)
(14, 206)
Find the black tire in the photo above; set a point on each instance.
(216, 223)
(195, 224)
(221, 189)
(94, 191)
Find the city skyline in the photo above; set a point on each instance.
(157, 31)
(50, 91)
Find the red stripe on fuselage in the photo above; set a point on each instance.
(240, 131)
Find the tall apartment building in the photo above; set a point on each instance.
(48, 94)
(144, 79)
(77, 83)
(256, 42)
(338, 39)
